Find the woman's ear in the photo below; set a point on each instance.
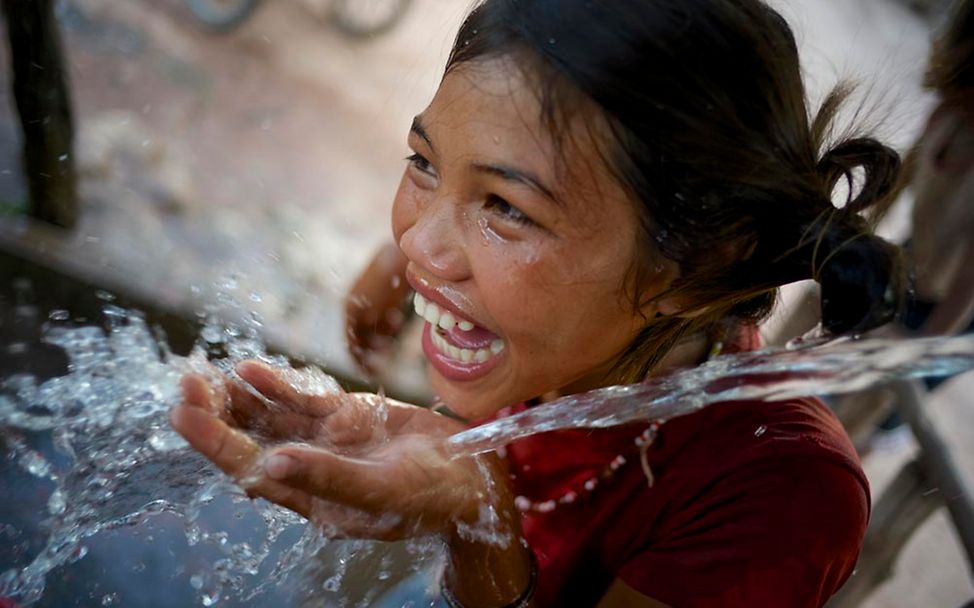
(675, 306)
(663, 301)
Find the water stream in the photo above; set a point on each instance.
(803, 368)
(99, 439)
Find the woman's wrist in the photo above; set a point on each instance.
(483, 575)
(489, 565)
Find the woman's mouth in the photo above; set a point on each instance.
(458, 348)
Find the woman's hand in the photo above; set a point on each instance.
(373, 307)
(366, 466)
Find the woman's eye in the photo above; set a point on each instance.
(419, 161)
(499, 206)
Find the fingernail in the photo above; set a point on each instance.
(278, 466)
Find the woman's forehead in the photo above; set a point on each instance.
(490, 104)
(494, 109)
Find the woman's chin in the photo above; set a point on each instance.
(469, 402)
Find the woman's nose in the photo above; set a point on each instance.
(435, 243)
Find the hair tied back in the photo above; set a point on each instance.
(879, 163)
(861, 275)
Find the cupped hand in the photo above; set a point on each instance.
(365, 467)
(373, 307)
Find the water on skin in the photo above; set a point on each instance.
(123, 464)
(117, 464)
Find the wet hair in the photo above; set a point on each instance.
(951, 67)
(711, 134)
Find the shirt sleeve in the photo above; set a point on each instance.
(776, 532)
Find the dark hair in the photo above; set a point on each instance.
(951, 66)
(710, 132)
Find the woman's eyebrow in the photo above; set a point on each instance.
(516, 175)
(419, 130)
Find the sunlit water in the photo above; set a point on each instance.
(118, 463)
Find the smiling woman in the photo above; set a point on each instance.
(598, 192)
(491, 243)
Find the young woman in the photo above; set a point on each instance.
(598, 192)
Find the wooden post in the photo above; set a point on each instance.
(939, 464)
(44, 104)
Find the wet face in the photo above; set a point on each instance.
(518, 248)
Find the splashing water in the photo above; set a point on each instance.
(124, 465)
(117, 463)
(804, 368)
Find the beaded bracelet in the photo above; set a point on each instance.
(521, 601)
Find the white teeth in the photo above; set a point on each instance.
(432, 314)
(464, 355)
(438, 317)
(447, 321)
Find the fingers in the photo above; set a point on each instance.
(196, 392)
(232, 452)
(253, 411)
(307, 391)
(366, 485)
(372, 309)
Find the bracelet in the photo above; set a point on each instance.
(521, 601)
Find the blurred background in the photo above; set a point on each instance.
(229, 156)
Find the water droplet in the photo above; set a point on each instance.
(212, 334)
(59, 314)
(334, 583)
(56, 503)
(109, 599)
(166, 441)
(35, 464)
(78, 553)
(210, 598)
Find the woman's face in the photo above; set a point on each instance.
(518, 249)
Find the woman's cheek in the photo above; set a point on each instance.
(405, 207)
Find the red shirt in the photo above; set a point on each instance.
(753, 504)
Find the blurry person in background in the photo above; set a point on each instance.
(940, 172)
(942, 244)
